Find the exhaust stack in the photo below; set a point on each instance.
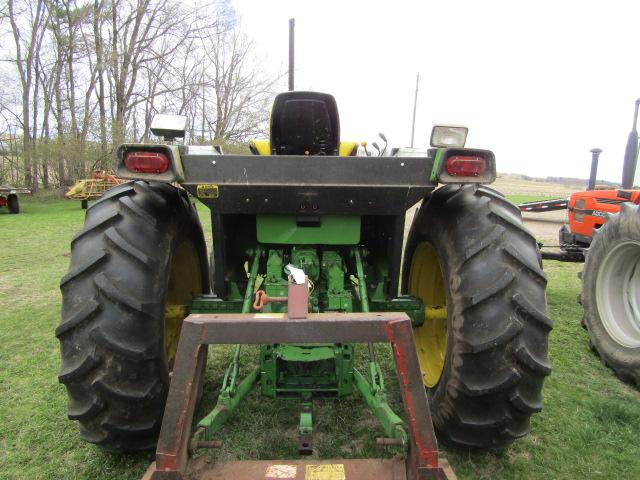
(292, 28)
(631, 153)
(595, 154)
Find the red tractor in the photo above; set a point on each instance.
(604, 232)
(588, 210)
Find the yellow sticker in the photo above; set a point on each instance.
(333, 471)
(268, 315)
(207, 191)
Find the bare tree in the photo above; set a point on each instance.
(93, 73)
(28, 22)
(143, 33)
(240, 91)
(98, 20)
(46, 78)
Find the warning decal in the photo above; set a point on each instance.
(281, 471)
(333, 471)
(207, 191)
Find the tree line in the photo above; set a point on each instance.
(80, 77)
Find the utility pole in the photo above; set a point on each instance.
(415, 104)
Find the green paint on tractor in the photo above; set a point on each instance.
(309, 230)
(436, 166)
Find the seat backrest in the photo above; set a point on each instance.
(263, 147)
(260, 147)
(305, 123)
(348, 149)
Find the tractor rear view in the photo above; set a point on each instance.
(308, 263)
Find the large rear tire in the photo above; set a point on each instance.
(483, 347)
(136, 263)
(611, 293)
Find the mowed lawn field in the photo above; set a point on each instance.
(589, 427)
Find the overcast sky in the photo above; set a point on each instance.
(538, 82)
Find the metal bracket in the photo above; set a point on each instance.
(200, 330)
(305, 428)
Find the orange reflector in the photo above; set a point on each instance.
(147, 162)
(466, 166)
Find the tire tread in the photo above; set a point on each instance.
(110, 337)
(499, 325)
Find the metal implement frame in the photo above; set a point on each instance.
(201, 330)
(232, 393)
(274, 384)
(9, 190)
(545, 205)
(374, 391)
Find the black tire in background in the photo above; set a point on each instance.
(141, 253)
(494, 337)
(611, 293)
(12, 203)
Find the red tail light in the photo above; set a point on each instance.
(466, 166)
(147, 162)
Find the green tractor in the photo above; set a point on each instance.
(305, 232)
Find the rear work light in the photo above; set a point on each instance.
(466, 166)
(146, 162)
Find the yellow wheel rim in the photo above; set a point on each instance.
(427, 283)
(185, 281)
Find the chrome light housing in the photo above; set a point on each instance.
(448, 136)
(169, 126)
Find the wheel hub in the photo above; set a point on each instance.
(618, 294)
(427, 283)
(184, 283)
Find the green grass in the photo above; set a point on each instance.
(589, 428)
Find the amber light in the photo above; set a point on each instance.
(147, 162)
(466, 166)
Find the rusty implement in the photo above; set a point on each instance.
(200, 330)
(94, 187)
